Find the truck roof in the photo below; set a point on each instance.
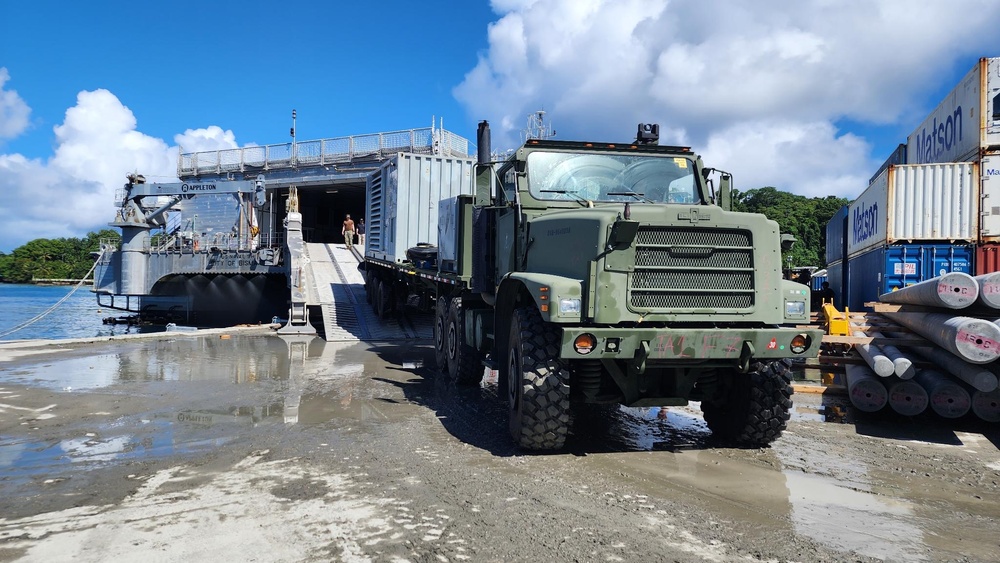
(588, 145)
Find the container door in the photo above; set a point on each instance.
(991, 99)
(943, 259)
(989, 221)
(903, 266)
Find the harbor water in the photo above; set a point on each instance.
(77, 317)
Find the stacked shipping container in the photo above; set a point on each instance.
(965, 127)
(934, 205)
(905, 227)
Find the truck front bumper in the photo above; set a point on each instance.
(688, 345)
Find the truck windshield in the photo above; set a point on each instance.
(612, 177)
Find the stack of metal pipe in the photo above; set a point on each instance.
(964, 347)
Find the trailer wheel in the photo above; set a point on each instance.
(369, 280)
(465, 364)
(751, 409)
(381, 298)
(386, 296)
(441, 335)
(538, 383)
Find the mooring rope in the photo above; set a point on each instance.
(41, 315)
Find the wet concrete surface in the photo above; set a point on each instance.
(258, 447)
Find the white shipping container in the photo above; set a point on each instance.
(403, 198)
(965, 123)
(989, 222)
(916, 203)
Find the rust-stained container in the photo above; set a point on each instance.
(987, 258)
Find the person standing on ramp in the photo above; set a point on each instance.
(348, 231)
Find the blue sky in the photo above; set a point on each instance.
(809, 97)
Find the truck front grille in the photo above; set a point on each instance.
(691, 268)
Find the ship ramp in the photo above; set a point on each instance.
(335, 296)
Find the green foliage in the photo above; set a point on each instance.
(62, 258)
(803, 217)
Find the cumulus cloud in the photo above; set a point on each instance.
(97, 145)
(14, 112)
(758, 83)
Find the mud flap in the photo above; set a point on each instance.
(746, 356)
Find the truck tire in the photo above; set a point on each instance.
(381, 298)
(441, 335)
(538, 383)
(465, 364)
(369, 281)
(752, 410)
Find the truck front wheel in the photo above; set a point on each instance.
(537, 383)
(751, 409)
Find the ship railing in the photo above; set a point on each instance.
(187, 242)
(322, 152)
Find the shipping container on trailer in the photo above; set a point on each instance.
(916, 203)
(965, 124)
(891, 267)
(836, 240)
(897, 157)
(403, 198)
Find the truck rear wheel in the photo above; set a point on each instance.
(382, 298)
(369, 281)
(538, 383)
(441, 335)
(465, 365)
(752, 408)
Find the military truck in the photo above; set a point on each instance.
(592, 273)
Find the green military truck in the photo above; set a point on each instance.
(600, 273)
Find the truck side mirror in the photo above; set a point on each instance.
(787, 241)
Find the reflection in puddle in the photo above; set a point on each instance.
(847, 519)
(190, 394)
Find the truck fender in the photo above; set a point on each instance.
(545, 290)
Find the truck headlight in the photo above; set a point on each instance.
(569, 306)
(795, 308)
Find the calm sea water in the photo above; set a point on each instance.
(78, 317)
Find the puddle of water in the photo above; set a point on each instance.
(243, 359)
(187, 395)
(847, 519)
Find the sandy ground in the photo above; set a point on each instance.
(259, 448)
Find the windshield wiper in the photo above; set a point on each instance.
(636, 195)
(578, 198)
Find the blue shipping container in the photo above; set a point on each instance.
(895, 266)
(835, 275)
(836, 239)
(816, 282)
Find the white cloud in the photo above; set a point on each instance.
(97, 145)
(805, 158)
(13, 111)
(759, 83)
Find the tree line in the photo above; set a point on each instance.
(61, 258)
(805, 218)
